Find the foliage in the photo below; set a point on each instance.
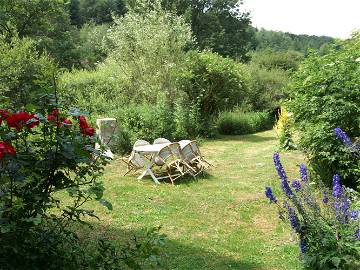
(212, 84)
(23, 72)
(98, 92)
(270, 59)
(284, 129)
(148, 46)
(267, 87)
(283, 41)
(90, 50)
(238, 122)
(45, 21)
(95, 11)
(220, 26)
(325, 93)
(329, 231)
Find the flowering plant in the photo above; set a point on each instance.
(328, 228)
(41, 155)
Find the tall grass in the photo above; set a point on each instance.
(239, 122)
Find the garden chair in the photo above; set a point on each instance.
(190, 159)
(134, 162)
(161, 140)
(170, 156)
(199, 160)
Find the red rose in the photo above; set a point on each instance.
(82, 122)
(89, 131)
(67, 122)
(20, 119)
(51, 117)
(6, 148)
(4, 114)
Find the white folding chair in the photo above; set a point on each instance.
(161, 140)
(134, 162)
(170, 156)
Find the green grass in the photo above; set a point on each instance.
(221, 221)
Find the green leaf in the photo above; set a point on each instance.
(107, 204)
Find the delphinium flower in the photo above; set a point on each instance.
(357, 234)
(303, 173)
(294, 221)
(303, 245)
(296, 185)
(354, 214)
(326, 197)
(281, 172)
(269, 194)
(343, 137)
(337, 188)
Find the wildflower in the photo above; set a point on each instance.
(269, 194)
(281, 172)
(337, 188)
(296, 185)
(354, 214)
(303, 245)
(343, 137)
(303, 173)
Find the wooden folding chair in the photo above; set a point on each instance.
(134, 162)
(199, 160)
(170, 157)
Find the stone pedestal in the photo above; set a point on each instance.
(105, 130)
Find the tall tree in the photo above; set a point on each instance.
(219, 25)
(45, 21)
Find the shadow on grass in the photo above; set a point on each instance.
(254, 138)
(174, 254)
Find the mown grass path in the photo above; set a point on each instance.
(219, 222)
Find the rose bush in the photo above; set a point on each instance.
(42, 154)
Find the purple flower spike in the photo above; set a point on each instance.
(296, 185)
(343, 137)
(325, 198)
(281, 172)
(269, 194)
(357, 234)
(354, 214)
(294, 221)
(337, 188)
(303, 173)
(303, 245)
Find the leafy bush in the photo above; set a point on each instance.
(23, 72)
(329, 231)
(325, 93)
(239, 123)
(97, 92)
(42, 155)
(267, 87)
(269, 59)
(212, 84)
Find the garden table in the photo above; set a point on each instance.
(150, 151)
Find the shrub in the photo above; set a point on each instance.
(328, 230)
(23, 72)
(325, 94)
(239, 123)
(212, 84)
(267, 87)
(269, 59)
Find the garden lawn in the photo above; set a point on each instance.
(221, 221)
